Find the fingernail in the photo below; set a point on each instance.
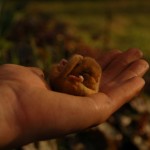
(135, 51)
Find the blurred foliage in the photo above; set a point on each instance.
(37, 33)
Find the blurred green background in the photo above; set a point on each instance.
(40, 33)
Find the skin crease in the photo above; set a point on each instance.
(30, 111)
(79, 76)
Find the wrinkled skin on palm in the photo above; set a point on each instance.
(77, 76)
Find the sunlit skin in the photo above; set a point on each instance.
(30, 111)
(78, 76)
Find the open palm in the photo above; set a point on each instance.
(30, 111)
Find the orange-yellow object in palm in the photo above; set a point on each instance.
(77, 76)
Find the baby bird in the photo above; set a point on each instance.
(77, 76)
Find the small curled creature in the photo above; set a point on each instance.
(77, 76)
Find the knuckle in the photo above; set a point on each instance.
(123, 62)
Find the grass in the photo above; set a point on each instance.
(127, 21)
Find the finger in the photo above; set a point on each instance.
(118, 96)
(106, 58)
(137, 68)
(119, 64)
(37, 71)
(124, 93)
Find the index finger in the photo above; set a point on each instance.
(106, 58)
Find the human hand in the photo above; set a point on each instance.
(30, 111)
